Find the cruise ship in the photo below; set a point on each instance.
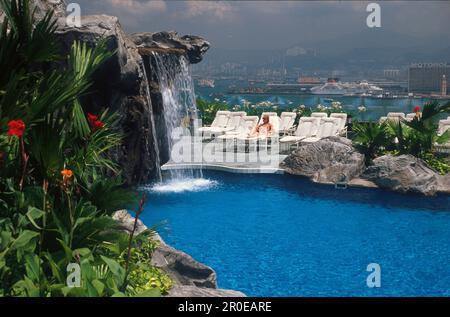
(210, 83)
(334, 87)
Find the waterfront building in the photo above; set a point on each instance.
(427, 77)
(444, 86)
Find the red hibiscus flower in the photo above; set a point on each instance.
(416, 109)
(98, 125)
(95, 122)
(16, 127)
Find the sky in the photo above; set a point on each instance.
(283, 24)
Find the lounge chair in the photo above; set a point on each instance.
(247, 138)
(220, 121)
(444, 125)
(270, 114)
(328, 127)
(287, 120)
(410, 116)
(232, 124)
(393, 116)
(342, 122)
(319, 115)
(307, 127)
(246, 126)
(396, 116)
(227, 140)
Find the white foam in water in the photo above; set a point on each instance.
(184, 185)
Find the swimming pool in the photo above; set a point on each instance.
(280, 235)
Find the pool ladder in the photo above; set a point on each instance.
(343, 184)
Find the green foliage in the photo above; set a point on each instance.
(143, 276)
(370, 139)
(208, 110)
(417, 137)
(58, 185)
(439, 164)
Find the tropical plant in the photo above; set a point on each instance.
(419, 136)
(208, 109)
(58, 185)
(370, 139)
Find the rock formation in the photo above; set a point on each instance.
(121, 84)
(191, 46)
(330, 160)
(192, 278)
(404, 173)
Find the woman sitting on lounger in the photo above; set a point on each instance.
(263, 129)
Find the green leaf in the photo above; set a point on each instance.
(153, 292)
(32, 267)
(67, 250)
(117, 270)
(99, 286)
(24, 238)
(55, 268)
(34, 214)
(444, 138)
(5, 239)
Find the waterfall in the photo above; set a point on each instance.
(178, 101)
(153, 127)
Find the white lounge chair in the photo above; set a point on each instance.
(328, 127)
(342, 122)
(319, 115)
(287, 120)
(273, 119)
(444, 125)
(396, 116)
(232, 124)
(410, 116)
(220, 121)
(307, 127)
(246, 126)
(270, 114)
(393, 116)
(245, 140)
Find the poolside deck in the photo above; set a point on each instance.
(245, 166)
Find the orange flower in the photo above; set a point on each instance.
(66, 173)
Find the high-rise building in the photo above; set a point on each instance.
(427, 77)
(391, 73)
(444, 86)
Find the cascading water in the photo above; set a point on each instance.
(153, 126)
(178, 100)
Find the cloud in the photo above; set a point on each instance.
(139, 6)
(211, 10)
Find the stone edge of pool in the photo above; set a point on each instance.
(191, 278)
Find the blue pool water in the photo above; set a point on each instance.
(279, 235)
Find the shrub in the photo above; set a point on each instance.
(58, 185)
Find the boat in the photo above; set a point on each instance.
(334, 87)
(331, 87)
(210, 83)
